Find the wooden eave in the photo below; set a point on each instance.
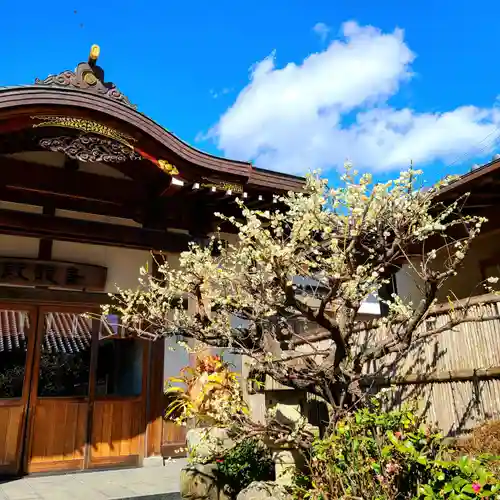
(480, 188)
(40, 99)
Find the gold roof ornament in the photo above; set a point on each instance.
(87, 76)
(168, 167)
(95, 50)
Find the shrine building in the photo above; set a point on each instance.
(90, 188)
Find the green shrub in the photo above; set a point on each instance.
(461, 479)
(388, 455)
(248, 461)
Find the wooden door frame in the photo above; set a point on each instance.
(142, 398)
(42, 310)
(32, 310)
(155, 398)
(35, 336)
(94, 351)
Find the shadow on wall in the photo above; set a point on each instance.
(451, 376)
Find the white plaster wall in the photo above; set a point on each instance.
(18, 246)
(485, 247)
(176, 358)
(173, 260)
(123, 264)
(407, 284)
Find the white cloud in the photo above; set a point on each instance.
(334, 105)
(322, 30)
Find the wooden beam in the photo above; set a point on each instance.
(45, 244)
(66, 229)
(463, 375)
(73, 204)
(28, 176)
(42, 296)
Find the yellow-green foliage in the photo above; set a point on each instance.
(209, 392)
(378, 455)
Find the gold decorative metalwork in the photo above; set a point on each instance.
(90, 78)
(92, 127)
(223, 186)
(95, 50)
(84, 125)
(168, 167)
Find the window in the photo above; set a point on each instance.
(119, 367)
(65, 355)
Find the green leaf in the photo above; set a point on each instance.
(174, 389)
(448, 488)
(176, 380)
(386, 451)
(468, 489)
(355, 445)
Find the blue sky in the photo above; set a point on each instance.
(376, 96)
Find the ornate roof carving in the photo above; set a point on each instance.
(91, 148)
(90, 77)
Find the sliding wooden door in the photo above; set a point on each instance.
(59, 400)
(17, 339)
(119, 403)
(71, 397)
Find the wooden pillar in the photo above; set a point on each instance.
(155, 396)
(156, 406)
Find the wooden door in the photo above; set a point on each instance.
(59, 394)
(17, 339)
(119, 403)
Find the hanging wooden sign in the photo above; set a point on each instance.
(29, 272)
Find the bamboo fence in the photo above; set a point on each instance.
(454, 376)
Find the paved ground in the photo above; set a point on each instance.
(153, 481)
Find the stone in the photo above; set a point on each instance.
(287, 463)
(204, 443)
(287, 414)
(263, 490)
(199, 482)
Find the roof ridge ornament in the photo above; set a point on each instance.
(89, 77)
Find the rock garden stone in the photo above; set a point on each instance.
(263, 490)
(199, 482)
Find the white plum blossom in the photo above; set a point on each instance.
(311, 260)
